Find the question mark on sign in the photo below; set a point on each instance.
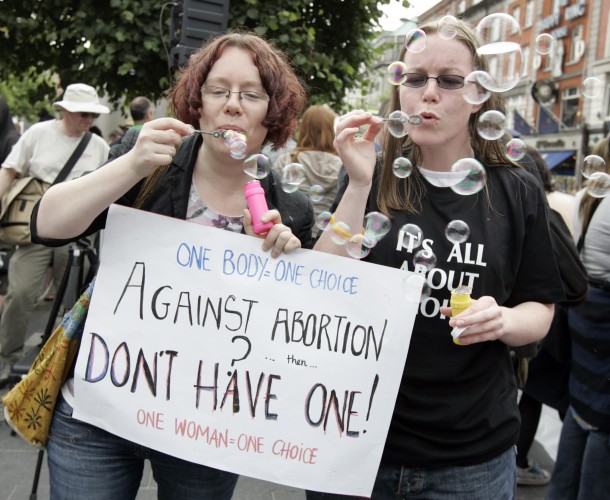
(247, 340)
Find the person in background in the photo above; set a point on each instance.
(549, 366)
(142, 111)
(455, 421)
(236, 82)
(8, 133)
(273, 154)
(582, 468)
(316, 153)
(41, 152)
(115, 136)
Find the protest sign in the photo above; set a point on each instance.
(200, 345)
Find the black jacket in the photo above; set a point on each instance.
(170, 197)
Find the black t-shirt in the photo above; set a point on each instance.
(457, 405)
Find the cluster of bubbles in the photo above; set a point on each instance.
(500, 37)
(236, 142)
(594, 170)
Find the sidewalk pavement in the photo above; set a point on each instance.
(18, 460)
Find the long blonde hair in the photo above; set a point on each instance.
(316, 131)
(406, 194)
(589, 203)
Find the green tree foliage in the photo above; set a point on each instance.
(121, 46)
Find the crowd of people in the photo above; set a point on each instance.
(457, 420)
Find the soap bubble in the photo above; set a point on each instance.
(593, 164)
(416, 40)
(599, 185)
(257, 166)
(397, 123)
(475, 90)
(447, 27)
(340, 233)
(396, 73)
(500, 36)
(402, 167)
(376, 226)
(413, 236)
(515, 149)
(545, 43)
(424, 259)
(457, 231)
(592, 87)
(474, 181)
(412, 287)
(358, 246)
(293, 175)
(316, 193)
(495, 30)
(323, 219)
(491, 125)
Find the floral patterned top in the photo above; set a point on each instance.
(197, 212)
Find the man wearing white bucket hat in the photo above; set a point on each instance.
(41, 152)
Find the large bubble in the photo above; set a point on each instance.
(593, 164)
(397, 123)
(447, 27)
(358, 246)
(491, 125)
(376, 226)
(323, 219)
(475, 90)
(340, 233)
(592, 87)
(424, 260)
(545, 44)
(516, 149)
(474, 180)
(599, 185)
(500, 36)
(293, 175)
(402, 167)
(257, 166)
(457, 231)
(396, 73)
(416, 40)
(413, 236)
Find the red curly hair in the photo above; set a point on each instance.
(287, 95)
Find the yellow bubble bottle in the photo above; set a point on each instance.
(460, 301)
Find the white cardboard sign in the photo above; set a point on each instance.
(200, 345)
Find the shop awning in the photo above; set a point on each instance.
(555, 158)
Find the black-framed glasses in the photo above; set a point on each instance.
(90, 115)
(251, 96)
(447, 82)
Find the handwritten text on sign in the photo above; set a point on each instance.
(202, 346)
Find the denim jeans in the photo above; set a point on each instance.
(86, 462)
(582, 469)
(495, 479)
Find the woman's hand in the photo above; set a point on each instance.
(279, 238)
(157, 144)
(358, 153)
(483, 321)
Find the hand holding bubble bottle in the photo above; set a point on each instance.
(255, 198)
(460, 301)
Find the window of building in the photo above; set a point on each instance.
(517, 14)
(525, 65)
(529, 14)
(577, 32)
(570, 99)
(607, 46)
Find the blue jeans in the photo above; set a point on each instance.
(495, 479)
(582, 469)
(88, 462)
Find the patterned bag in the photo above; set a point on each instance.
(29, 406)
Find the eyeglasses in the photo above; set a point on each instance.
(90, 115)
(447, 82)
(218, 93)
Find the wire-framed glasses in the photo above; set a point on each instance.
(447, 82)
